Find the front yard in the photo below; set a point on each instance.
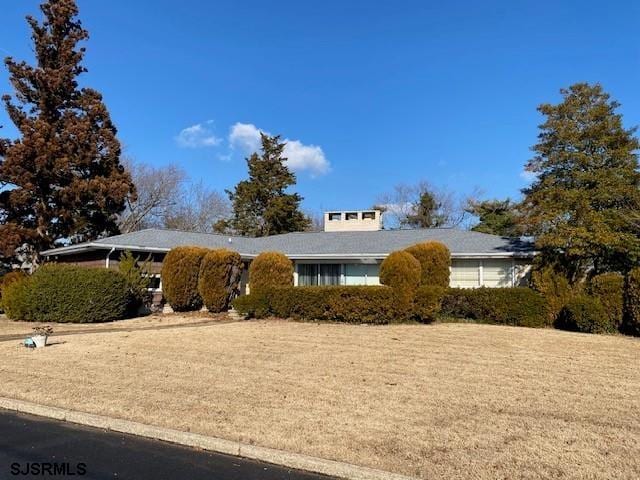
(440, 401)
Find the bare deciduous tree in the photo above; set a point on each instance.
(422, 206)
(167, 198)
(160, 191)
(199, 210)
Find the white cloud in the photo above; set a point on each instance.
(245, 137)
(301, 157)
(198, 135)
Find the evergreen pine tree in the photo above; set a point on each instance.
(62, 178)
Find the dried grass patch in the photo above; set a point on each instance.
(439, 401)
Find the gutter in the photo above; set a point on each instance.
(106, 261)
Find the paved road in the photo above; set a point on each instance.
(28, 442)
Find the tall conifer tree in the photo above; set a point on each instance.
(584, 205)
(261, 204)
(62, 178)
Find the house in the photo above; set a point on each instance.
(348, 252)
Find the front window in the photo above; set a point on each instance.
(322, 274)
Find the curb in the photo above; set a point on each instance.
(278, 457)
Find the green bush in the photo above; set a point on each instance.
(219, 279)
(68, 294)
(180, 270)
(254, 305)
(8, 279)
(428, 302)
(555, 288)
(584, 314)
(270, 269)
(435, 261)
(517, 306)
(609, 289)
(352, 304)
(138, 279)
(631, 317)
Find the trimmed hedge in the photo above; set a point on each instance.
(180, 270)
(517, 306)
(268, 270)
(631, 318)
(555, 288)
(219, 279)
(428, 302)
(348, 304)
(68, 294)
(435, 260)
(584, 314)
(608, 288)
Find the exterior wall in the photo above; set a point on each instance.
(489, 272)
(465, 273)
(344, 221)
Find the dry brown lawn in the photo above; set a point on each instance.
(440, 401)
(10, 327)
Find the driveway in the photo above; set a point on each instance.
(32, 445)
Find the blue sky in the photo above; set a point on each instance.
(369, 94)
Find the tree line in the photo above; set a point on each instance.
(64, 180)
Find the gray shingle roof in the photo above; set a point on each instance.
(315, 244)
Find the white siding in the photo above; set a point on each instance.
(497, 273)
(465, 273)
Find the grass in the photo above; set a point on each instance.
(440, 401)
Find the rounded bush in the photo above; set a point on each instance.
(435, 262)
(270, 269)
(609, 289)
(180, 270)
(68, 294)
(400, 270)
(584, 314)
(219, 279)
(428, 302)
(7, 279)
(631, 317)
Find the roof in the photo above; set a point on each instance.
(376, 244)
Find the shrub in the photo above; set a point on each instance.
(401, 271)
(219, 279)
(555, 288)
(435, 260)
(631, 317)
(8, 279)
(609, 289)
(584, 314)
(180, 270)
(137, 277)
(270, 269)
(68, 294)
(428, 302)
(352, 304)
(517, 306)
(254, 305)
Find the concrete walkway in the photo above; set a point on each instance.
(62, 333)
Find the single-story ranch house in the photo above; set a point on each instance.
(348, 252)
